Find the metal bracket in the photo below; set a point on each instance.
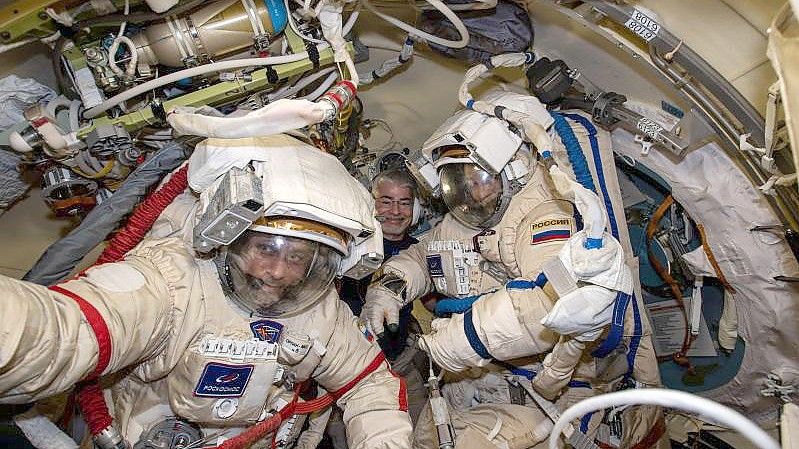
(775, 388)
(646, 144)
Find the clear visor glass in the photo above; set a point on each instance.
(273, 275)
(472, 194)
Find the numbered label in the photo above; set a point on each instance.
(642, 25)
(649, 127)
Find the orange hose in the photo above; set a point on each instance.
(712, 259)
(679, 357)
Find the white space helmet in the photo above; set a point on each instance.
(286, 217)
(479, 161)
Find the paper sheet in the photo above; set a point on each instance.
(669, 330)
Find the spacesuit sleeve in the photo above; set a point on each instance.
(375, 407)
(410, 265)
(113, 316)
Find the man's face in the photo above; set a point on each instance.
(394, 207)
(483, 188)
(267, 266)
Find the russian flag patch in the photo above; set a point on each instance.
(550, 230)
(550, 236)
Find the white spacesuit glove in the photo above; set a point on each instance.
(383, 301)
(582, 311)
(448, 346)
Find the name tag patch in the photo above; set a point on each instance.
(434, 266)
(223, 381)
(551, 229)
(266, 330)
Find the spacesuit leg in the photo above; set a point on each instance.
(406, 365)
(487, 426)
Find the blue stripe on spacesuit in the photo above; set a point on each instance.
(447, 306)
(616, 326)
(618, 307)
(600, 173)
(479, 348)
(473, 338)
(584, 422)
(579, 384)
(459, 305)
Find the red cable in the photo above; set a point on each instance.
(90, 395)
(260, 430)
(92, 405)
(143, 218)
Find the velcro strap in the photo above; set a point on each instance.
(313, 54)
(559, 277)
(523, 284)
(99, 327)
(271, 75)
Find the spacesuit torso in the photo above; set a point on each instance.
(459, 261)
(196, 358)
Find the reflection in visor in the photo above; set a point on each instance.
(472, 194)
(272, 275)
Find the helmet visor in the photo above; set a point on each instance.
(472, 194)
(272, 275)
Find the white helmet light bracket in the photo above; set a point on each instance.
(233, 205)
(492, 145)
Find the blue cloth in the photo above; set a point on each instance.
(353, 292)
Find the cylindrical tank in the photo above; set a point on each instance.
(213, 31)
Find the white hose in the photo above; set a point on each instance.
(313, 96)
(389, 65)
(8, 47)
(194, 71)
(288, 91)
(443, 9)
(278, 117)
(130, 70)
(330, 21)
(706, 409)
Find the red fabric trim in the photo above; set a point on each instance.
(335, 97)
(403, 395)
(367, 371)
(654, 434)
(294, 407)
(326, 400)
(99, 327)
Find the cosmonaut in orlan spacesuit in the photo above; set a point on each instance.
(207, 346)
(528, 283)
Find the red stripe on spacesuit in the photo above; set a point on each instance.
(403, 391)
(403, 394)
(99, 327)
(322, 402)
(367, 371)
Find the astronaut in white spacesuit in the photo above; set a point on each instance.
(510, 251)
(210, 346)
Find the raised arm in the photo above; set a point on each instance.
(50, 338)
